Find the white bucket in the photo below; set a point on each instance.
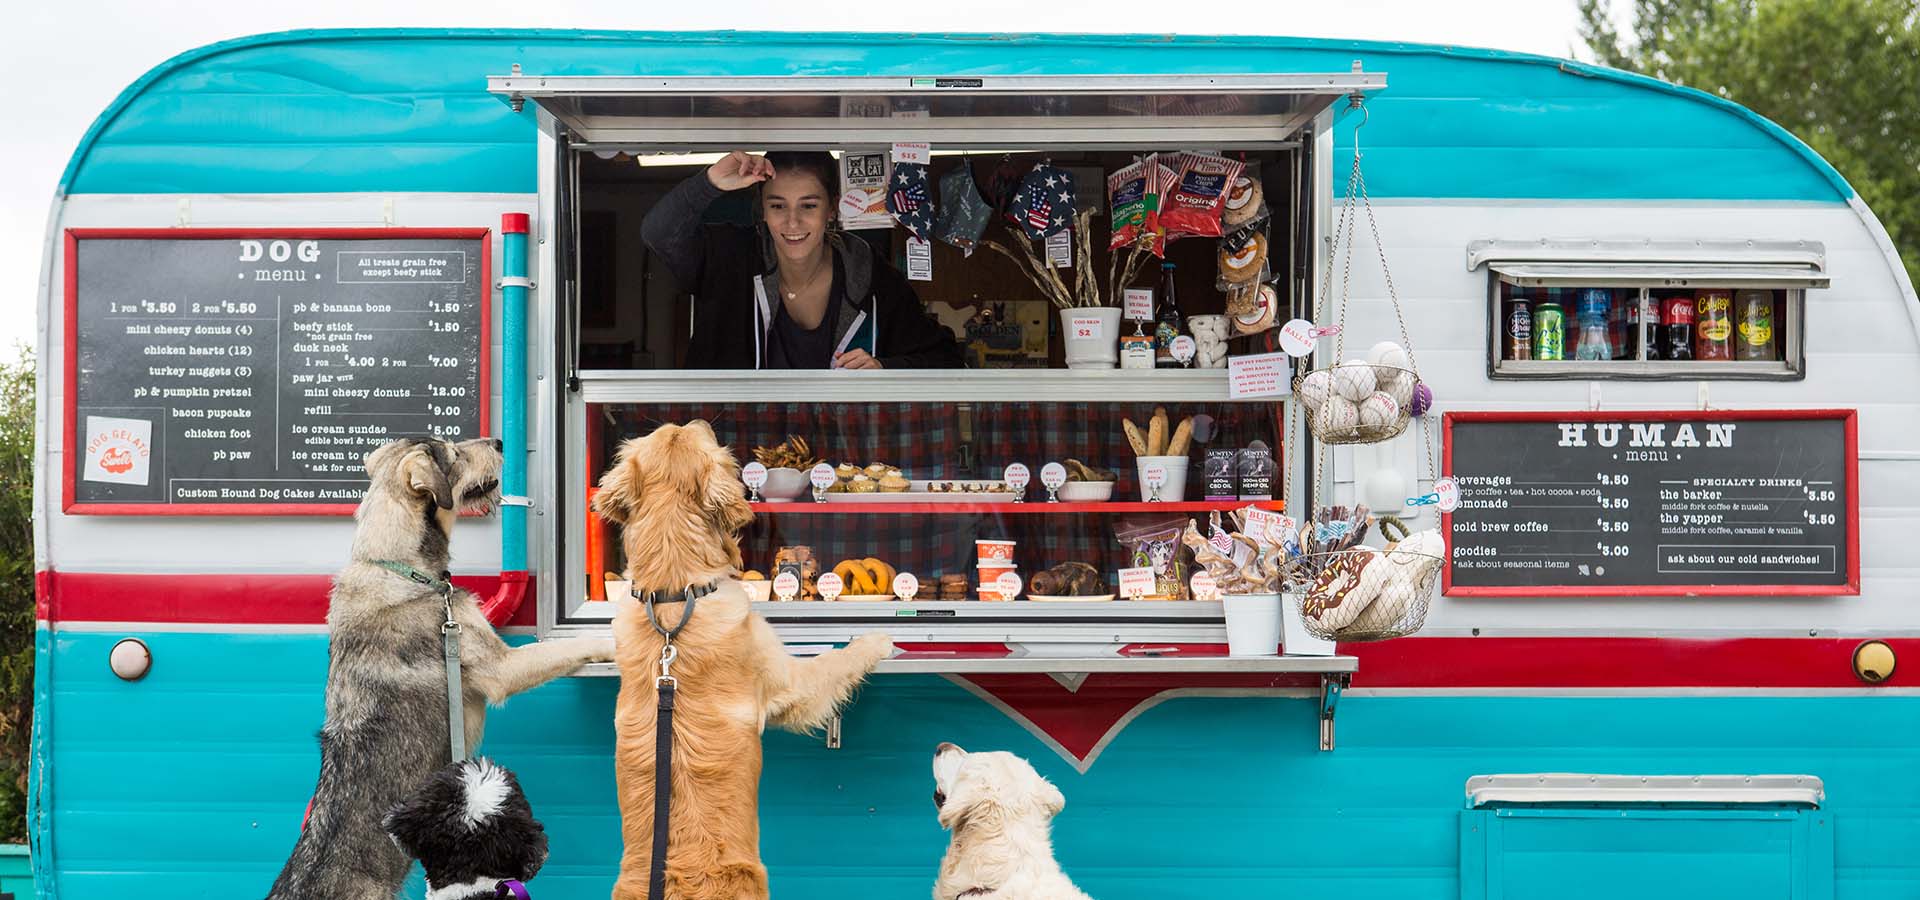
(1253, 624)
(1295, 639)
(1092, 335)
(1175, 488)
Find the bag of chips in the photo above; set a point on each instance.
(1194, 206)
(1130, 200)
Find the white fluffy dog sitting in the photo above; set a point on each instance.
(1001, 813)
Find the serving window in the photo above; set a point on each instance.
(922, 458)
(1646, 311)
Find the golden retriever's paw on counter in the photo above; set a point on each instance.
(1000, 812)
(873, 646)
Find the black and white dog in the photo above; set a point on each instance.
(473, 832)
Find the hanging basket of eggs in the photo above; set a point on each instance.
(1363, 401)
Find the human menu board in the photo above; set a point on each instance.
(1639, 503)
(249, 372)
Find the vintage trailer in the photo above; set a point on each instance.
(266, 246)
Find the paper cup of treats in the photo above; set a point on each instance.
(1362, 401)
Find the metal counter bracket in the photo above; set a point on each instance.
(1330, 688)
(833, 732)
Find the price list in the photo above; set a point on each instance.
(1670, 504)
(257, 372)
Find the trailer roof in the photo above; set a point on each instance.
(408, 110)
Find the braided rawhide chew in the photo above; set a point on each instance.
(1391, 524)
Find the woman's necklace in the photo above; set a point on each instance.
(795, 294)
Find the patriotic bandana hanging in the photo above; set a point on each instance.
(963, 215)
(1043, 206)
(909, 200)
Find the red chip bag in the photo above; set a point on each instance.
(1193, 208)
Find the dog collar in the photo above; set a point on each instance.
(692, 592)
(512, 888)
(442, 584)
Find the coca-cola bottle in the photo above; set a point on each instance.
(1653, 333)
(1677, 341)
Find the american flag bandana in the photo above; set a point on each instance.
(909, 200)
(1044, 204)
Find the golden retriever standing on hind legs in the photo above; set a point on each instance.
(678, 496)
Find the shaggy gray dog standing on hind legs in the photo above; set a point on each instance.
(386, 727)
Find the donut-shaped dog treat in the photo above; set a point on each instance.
(1344, 588)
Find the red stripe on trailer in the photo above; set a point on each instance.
(252, 599)
(1623, 662)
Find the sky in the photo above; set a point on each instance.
(86, 51)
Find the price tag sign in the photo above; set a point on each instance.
(1136, 583)
(822, 477)
(1008, 584)
(1449, 494)
(1183, 349)
(755, 475)
(1017, 477)
(1052, 476)
(830, 586)
(1263, 525)
(919, 260)
(1203, 587)
(1139, 306)
(1296, 337)
(905, 585)
(1155, 475)
(786, 586)
(1258, 375)
(910, 152)
(1088, 327)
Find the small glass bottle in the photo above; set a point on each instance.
(1595, 306)
(1167, 321)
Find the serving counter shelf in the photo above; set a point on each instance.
(1332, 674)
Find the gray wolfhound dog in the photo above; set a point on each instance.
(386, 727)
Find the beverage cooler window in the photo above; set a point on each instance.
(1616, 331)
(922, 488)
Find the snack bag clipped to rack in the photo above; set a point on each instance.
(1156, 545)
(1199, 196)
(1130, 197)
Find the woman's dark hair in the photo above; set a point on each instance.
(818, 163)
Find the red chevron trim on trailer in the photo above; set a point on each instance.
(252, 599)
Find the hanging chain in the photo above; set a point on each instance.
(1406, 342)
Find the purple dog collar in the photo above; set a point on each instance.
(512, 888)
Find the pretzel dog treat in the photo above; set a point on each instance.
(1341, 591)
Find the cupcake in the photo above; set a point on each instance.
(893, 484)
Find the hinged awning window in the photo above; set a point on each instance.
(983, 112)
(1687, 264)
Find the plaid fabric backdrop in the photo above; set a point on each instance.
(948, 441)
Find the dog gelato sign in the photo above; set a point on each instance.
(118, 450)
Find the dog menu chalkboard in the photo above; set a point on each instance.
(1653, 503)
(235, 372)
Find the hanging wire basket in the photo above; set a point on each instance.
(1363, 593)
(1386, 398)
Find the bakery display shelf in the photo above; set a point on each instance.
(1031, 507)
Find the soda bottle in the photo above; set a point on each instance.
(1652, 335)
(1677, 340)
(1713, 324)
(1595, 304)
(1755, 332)
(1167, 324)
(1549, 332)
(1622, 321)
(1520, 329)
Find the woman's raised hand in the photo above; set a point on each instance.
(739, 169)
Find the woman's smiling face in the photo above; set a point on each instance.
(796, 208)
